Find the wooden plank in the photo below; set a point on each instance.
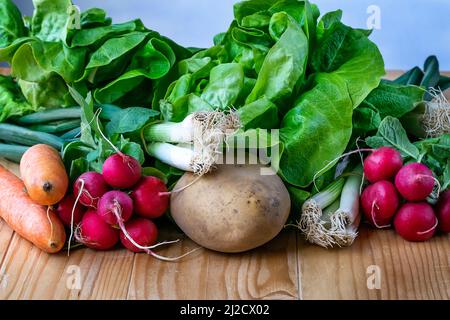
(269, 272)
(33, 274)
(407, 270)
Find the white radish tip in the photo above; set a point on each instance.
(429, 230)
(372, 214)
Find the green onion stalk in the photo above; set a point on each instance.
(195, 143)
(331, 217)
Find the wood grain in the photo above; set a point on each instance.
(407, 270)
(33, 274)
(269, 272)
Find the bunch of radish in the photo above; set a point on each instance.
(117, 205)
(398, 194)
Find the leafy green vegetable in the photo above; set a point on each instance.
(12, 102)
(50, 92)
(276, 65)
(285, 63)
(391, 133)
(182, 107)
(130, 120)
(153, 172)
(11, 23)
(349, 53)
(94, 36)
(412, 77)
(225, 84)
(132, 149)
(94, 17)
(365, 120)
(261, 113)
(153, 61)
(7, 53)
(49, 19)
(35, 60)
(394, 100)
(444, 83)
(248, 8)
(90, 152)
(316, 131)
(431, 75)
(112, 50)
(429, 78)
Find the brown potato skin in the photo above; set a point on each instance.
(233, 209)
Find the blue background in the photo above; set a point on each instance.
(410, 29)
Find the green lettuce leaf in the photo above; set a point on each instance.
(49, 19)
(11, 23)
(12, 102)
(316, 131)
(350, 54)
(285, 64)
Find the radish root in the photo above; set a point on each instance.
(79, 237)
(372, 214)
(148, 249)
(435, 194)
(86, 193)
(80, 192)
(431, 229)
(172, 259)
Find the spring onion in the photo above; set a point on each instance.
(202, 135)
(326, 224)
(12, 152)
(57, 126)
(50, 115)
(23, 136)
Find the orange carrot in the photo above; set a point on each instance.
(44, 175)
(33, 222)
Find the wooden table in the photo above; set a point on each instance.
(380, 265)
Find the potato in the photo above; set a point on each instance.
(232, 209)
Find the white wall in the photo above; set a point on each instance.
(410, 29)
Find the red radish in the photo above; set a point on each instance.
(443, 212)
(92, 186)
(142, 231)
(416, 221)
(382, 164)
(64, 211)
(415, 182)
(150, 197)
(139, 235)
(379, 203)
(114, 205)
(96, 233)
(121, 171)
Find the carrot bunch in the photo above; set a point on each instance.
(25, 204)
